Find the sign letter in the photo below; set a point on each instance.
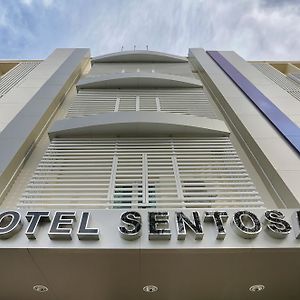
(182, 220)
(133, 225)
(159, 226)
(246, 224)
(61, 226)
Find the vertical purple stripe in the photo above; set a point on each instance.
(284, 125)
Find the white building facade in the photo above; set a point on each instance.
(143, 174)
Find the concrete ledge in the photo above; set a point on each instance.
(138, 124)
(138, 80)
(139, 56)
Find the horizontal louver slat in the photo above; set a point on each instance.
(289, 85)
(15, 75)
(187, 101)
(139, 173)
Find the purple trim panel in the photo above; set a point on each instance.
(282, 122)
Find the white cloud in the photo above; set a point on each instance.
(46, 3)
(27, 2)
(2, 18)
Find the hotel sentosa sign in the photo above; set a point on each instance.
(107, 226)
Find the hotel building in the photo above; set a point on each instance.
(146, 175)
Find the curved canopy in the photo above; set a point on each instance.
(139, 56)
(138, 124)
(137, 80)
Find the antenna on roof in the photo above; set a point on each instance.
(122, 48)
(147, 47)
(134, 47)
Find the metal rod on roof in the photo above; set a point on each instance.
(147, 47)
(122, 48)
(134, 47)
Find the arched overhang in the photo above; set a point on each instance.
(139, 56)
(138, 80)
(138, 124)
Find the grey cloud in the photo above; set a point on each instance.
(279, 3)
(256, 29)
(174, 26)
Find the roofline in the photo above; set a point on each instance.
(139, 56)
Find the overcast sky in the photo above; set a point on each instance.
(256, 29)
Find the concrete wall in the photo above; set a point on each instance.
(277, 162)
(29, 106)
